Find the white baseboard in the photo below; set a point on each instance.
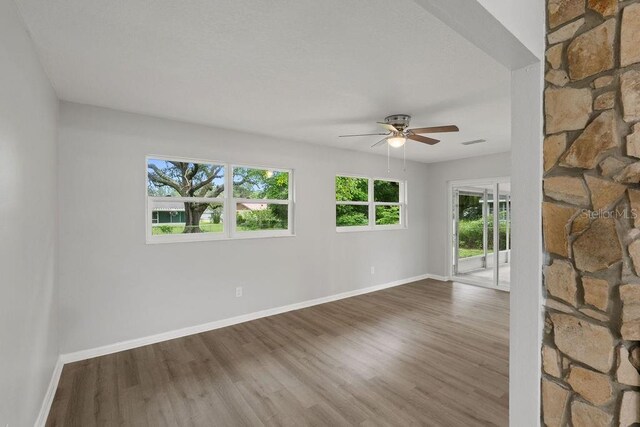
(190, 330)
(177, 333)
(438, 277)
(50, 394)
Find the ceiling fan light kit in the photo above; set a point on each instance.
(397, 127)
(396, 141)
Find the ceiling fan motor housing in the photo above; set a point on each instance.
(399, 121)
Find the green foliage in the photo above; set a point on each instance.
(277, 186)
(387, 215)
(472, 212)
(216, 214)
(470, 225)
(469, 207)
(352, 215)
(260, 184)
(471, 232)
(271, 218)
(350, 189)
(216, 210)
(179, 228)
(466, 253)
(386, 191)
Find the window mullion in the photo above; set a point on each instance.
(156, 199)
(372, 208)
(262, 201)
(290, 206)
(387, 203)
(230, 206)
(403, 200)
(343, 202)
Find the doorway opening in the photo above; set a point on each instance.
(481, 222)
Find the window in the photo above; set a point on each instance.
(368, 203)
(352, 201)
(185, 197)
(188, 200)
(262, 200)
(386, 202)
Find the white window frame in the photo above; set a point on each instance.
(228, 202)
(371, 203)
(261, 233)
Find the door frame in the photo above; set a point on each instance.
(452, 217)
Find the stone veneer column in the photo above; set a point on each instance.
(591, 214)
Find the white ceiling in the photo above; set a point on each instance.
(305, 70)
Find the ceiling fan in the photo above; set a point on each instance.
(398, 132)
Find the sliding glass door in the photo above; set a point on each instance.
(480, 232)
(504, 236)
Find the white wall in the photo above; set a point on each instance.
(525, 19)
(114, 287)
(526, 241)
(438, 176)
(28, 231)
(494, 26)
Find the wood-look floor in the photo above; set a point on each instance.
(427, 353)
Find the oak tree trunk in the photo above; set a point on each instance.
(193, 212)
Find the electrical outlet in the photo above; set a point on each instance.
(373, 270)
(238, 291)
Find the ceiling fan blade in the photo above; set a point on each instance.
(436, 129)
(362, 134)
(424, 139)
(379, 142)
(390, 128)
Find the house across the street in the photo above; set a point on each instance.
(174, 213)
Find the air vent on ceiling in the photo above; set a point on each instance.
(475, 141)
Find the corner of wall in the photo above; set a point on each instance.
(28, 127)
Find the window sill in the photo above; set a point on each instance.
(368, 228)
(178, 238)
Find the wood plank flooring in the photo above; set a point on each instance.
(427, 353)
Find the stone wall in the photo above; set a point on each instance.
(591, 214)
